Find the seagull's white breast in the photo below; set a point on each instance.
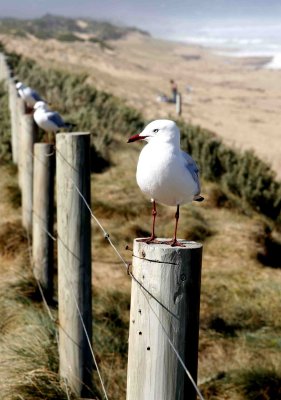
(26, 94)
(163, 176)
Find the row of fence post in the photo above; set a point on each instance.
(164, 319)
(37, 163)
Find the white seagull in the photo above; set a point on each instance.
(29, 95)
(165, 173)
(50, 121)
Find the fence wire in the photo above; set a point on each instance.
(126, 265)
(143, 290)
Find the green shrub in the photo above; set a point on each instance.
(5, 126)
(243, 174)
(68, 37)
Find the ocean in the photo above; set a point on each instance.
(240, 39)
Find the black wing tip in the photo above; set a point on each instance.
(198, 198)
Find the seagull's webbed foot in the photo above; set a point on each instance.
(149, 240)
(173, 243)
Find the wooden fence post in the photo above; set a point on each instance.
(19, 120)
(2, 61)
(74, 260)
(13, 113)
(172, 275)
(178, 104)
(28, 135)
(43, 216)
(5, 72)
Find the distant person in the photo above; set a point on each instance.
(162, 98)
(174, 90)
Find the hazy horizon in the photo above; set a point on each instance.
(165, 19)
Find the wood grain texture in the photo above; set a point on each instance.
(172, 275)
(28, 137)
(178, 104)
(19, 120)
(13, 94)
(74, 259)
(43, 216)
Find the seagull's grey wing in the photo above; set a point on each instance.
(35, 95)
(193, 169)
(56, 119)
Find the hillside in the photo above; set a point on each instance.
(66, 29)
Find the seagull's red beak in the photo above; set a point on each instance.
(135, 137)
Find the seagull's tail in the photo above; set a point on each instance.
(198, 198)
(69, 125)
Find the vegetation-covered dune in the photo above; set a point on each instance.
(66, 29)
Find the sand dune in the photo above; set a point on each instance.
(235, 98)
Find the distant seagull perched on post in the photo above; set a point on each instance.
(50, 121)
(29, 95)
(165, 173)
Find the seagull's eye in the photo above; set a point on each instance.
(155, 130)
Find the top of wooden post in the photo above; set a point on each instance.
(188, 244)
(62, 134)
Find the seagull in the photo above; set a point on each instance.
(50, 121)
(165, 173)
(29, 95)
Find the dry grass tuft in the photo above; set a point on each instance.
(269, 247)
(14, 195)
(197, 228)
(261, 384)
(111, 323)
(41, 384)
(12, 238)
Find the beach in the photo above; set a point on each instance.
(235, 97)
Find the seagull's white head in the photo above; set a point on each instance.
(19, 85)
(40, 105)
(160, 130)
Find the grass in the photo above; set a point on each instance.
(258, 384)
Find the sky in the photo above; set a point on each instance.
(162, 18)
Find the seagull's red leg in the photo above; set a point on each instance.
(177, 215)
(154, 213)
(174, 241)
(152, 238)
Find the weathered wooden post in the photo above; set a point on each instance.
(2, 60)
(178, 104)
(74, 260)
(19, 121)
(5, 72)
(13, 113)
(28, 136)
(43, 216)
(172, 275)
